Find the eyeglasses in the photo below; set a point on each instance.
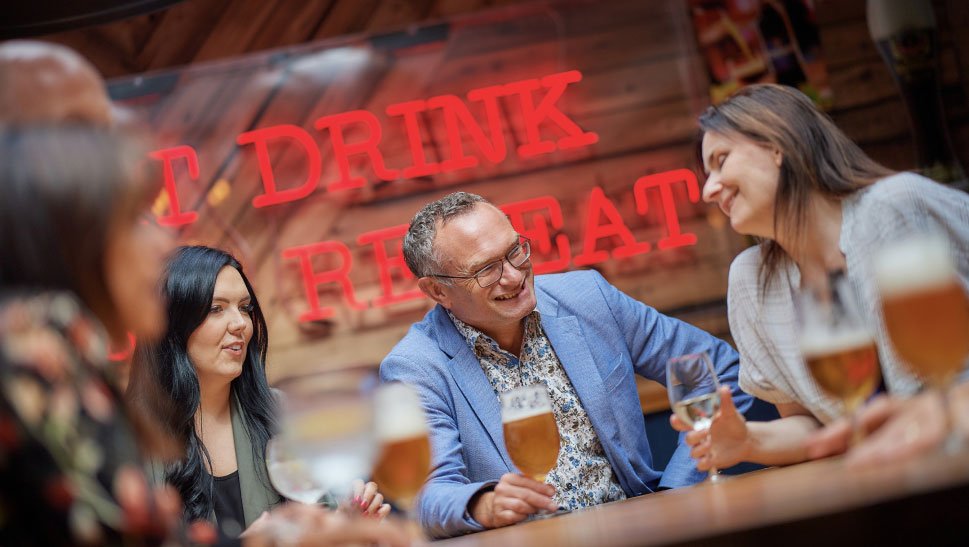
(489, 275)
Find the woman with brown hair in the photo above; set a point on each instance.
(786, 175)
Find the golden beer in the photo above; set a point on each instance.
(929, 328)
(402, 468)
(848, 372)
(533, 444)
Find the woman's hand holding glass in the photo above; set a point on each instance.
(695, 397)
(724, 443)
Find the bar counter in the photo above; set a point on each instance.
(924, 500)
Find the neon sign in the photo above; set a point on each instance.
(539, 218)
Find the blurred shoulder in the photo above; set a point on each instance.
(745, 266)
(907, 191)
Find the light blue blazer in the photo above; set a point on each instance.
(602, 337)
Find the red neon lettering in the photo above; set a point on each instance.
(386, 263)
(342, 150)
(664, 181)
(410, 111)
(546, 109)
(124, 353)
(260, 138)
(538, 232)
(311, 279)
(456, 114)
(600, 204)
(175, 216)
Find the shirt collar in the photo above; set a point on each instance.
(473, 335)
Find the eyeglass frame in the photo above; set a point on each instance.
(523, 242)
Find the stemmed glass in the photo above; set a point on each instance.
(326, 435)
(405, 451)
(693, 388)
(838, 346)
(531, 436)
(926, 313)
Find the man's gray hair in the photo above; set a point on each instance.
(419, 241)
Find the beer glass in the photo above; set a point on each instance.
(531, 435)
(838, 346)
(692, 386)
(325, 439)
(925, 310)
(405, 451)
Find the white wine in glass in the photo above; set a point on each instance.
(692, 386)
(405, 451)
(531, 435)
(292, 476)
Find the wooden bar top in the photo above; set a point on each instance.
(797, 505)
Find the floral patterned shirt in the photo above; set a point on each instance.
(67, 452)
(582, 476)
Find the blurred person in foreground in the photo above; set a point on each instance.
(497, 326)
(784, 173)
(46, 83)
(212, 361)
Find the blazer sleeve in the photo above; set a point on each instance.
(652, 339)
(442, 504)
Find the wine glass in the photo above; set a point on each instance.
(405, 452)
(926, 312)
(838, 346)
(693, 389)
(326, 434)
(531, 435)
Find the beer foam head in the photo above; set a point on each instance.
(524, 402)
(399, 414)
(913, 265)
(817, 342)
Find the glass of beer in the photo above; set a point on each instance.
(925, 309)
(531, 436)
(692, 386)
(838, 347)
(405, 452)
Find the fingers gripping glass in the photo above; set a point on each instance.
(489, 275)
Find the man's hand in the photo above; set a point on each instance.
(725, 444)
(514, 498)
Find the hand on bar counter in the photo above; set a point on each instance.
(303, 524)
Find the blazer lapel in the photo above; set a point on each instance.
(471, 380)
(256, 494)
(573, 352)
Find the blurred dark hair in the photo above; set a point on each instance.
(189, 284)
(64, 189)
(817, 157)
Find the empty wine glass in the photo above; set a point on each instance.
(405, 451)
(326, 433)
(838, 346)
(693, 388)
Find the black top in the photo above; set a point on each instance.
(228, 504)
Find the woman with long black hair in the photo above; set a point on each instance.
(212, 361)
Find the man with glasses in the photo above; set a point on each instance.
(497, 327)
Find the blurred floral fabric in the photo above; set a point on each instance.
(67, 453)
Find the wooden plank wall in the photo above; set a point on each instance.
(643, 86)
